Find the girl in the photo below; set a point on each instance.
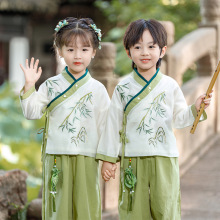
(145, 107)
(75, 106)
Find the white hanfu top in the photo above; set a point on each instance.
(76, 109)
(149, 111)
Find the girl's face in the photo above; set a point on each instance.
(145, 54)
(77, 57)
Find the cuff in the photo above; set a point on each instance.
(194, 112)
(26, 94)
(106, 158)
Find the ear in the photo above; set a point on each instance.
(93, 53)
(60, 52)
(128, 53)
(163, 51)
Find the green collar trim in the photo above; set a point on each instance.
(144, 92)
(69, 91)
(139, 78)
(68, 76)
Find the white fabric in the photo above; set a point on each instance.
(90, 125)
(160, 141)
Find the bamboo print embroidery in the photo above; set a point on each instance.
(120, 89)
(49, 84)
(153, 111)
(80, 110)
(81, 136)
(159, 136)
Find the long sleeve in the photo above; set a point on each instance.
(33, 102)
(109, 145)
(183, 115)
(101, 109)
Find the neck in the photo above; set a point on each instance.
(147, 74)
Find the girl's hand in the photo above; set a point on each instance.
(31, 73)
(202, 99)
(108, 170)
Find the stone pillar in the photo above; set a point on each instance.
(170, 29)
(102, 66)
(210, 12)
(18, 53)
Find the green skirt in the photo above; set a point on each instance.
(78, 189)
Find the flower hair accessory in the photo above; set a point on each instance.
(98, 32)
(60, 25)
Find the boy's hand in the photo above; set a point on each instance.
(31, 73)
(202, 99)
(108, 170)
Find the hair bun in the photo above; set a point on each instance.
(87, 21)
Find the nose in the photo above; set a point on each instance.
(144, 51)
(77, 54)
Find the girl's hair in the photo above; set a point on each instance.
(136, 29)
(73, 28)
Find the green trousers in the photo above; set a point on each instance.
(157, 191)
(78, 190)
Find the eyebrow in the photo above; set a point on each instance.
(139, 42)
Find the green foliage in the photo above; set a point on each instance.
(20, 145)
(21, 212)
(185, 16)
(14, 126)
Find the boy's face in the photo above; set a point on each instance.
(77, 57)
(145, 54)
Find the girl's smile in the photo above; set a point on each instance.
(77, 57)
(77, 63)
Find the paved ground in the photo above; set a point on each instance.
(200, 187)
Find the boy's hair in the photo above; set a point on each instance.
(67, 34)
(136, 29)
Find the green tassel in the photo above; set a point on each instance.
(54, 181)
(130, 181)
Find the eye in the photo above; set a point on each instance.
(151, 46)
(85, 49)
(71, 50)
(137, 47)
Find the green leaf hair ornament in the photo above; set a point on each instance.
(60, 25)
(98, 32)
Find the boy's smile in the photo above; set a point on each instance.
(145, 55)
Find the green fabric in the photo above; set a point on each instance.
(139, 78)
(67, 76)
(78, 190)
(106, 158)
(28, 93)
(157, 192)
(194, 112)
(69, 92)
(123, 138)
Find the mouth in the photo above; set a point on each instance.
(145, 60)
(77, 63)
